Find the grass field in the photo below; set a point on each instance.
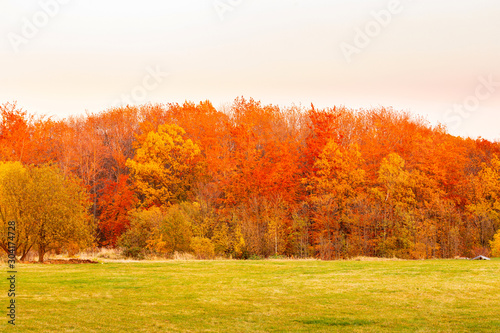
(258, 296)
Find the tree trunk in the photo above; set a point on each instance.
(25, 253)
(41, 253)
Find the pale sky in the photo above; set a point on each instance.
(438, 59)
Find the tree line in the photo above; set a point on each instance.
(248, 180)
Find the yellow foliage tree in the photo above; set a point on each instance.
(397, 199)
(165, 166)
(50, 209)
(59, 207)
(495, 245)
(335, 186)
(338, 172)
(203, 248)
(14, 180)
(485, 206)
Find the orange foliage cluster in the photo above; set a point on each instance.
(331, 183)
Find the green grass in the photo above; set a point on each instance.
(258, 296)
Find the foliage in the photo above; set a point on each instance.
(165, 166)
(173, 233)
(397, 199)
(156, 231)
(202, 248)
(14, 199)
(134, 241)
(485, 202)
(116, 200)
(51, 210)
(334, 189)
(263, 180)
(495, 245)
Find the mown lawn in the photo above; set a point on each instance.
(258, 296)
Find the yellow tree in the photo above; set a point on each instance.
(397, 200)
(495, 245)
(50, 209)
(485, 203)
(59, 207)
(334, 188)
(14, 180)
(165, 166)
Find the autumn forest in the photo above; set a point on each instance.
(247, 180)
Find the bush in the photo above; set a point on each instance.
(277, 256)
(174, 231)
(255, 257)
(72, 248)
(203, 248)
(134, 252)
(154, 231)
(142, 223)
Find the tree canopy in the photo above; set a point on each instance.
(250, 179)
(50, 209)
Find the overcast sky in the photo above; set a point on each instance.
(439, 59)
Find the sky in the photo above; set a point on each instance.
(436, 59)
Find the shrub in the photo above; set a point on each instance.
(134, 252)
(154, 231)
(203, 248)
(255, 257)
(142, 224)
